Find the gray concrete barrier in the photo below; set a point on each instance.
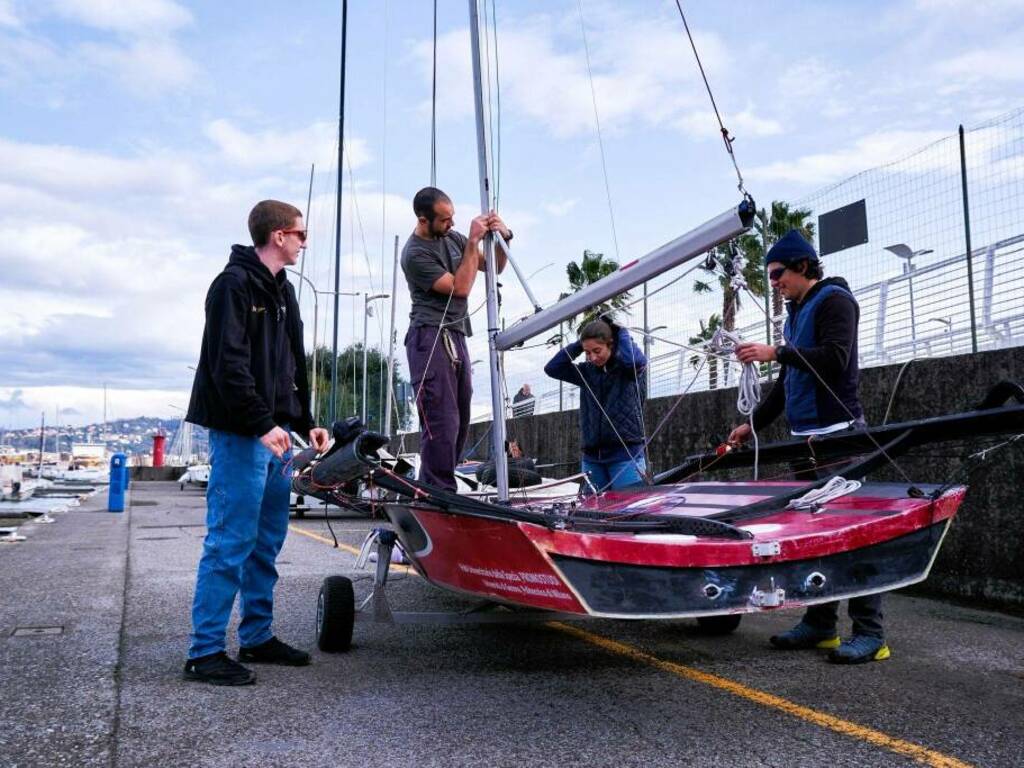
(980, 560)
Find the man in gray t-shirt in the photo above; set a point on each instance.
(440, 266)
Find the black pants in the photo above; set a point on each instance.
(865, 612)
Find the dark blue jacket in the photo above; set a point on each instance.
(620, 390)
(821, 341)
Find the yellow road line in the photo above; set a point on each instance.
(324, 539)
(876, 738)
(346, 547)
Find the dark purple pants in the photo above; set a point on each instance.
(443, 394)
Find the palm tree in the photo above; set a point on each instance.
(592, 267)
(751, 268)
(706, 332)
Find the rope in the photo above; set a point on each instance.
(597, 123)
(726, 138)
(835, 488)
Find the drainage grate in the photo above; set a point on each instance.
(145, 503)
(33, 631)
(177, 525)
(156, 538)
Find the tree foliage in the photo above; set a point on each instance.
(592, 267)
(350, 387)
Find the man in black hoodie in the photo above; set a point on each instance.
(817, 388)
(250, 391)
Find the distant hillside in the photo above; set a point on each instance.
(133, 435)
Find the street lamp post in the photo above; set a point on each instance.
(907, 253)
(367, 298)
(316, 324)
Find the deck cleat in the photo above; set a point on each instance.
(804, 637)
(860, 649)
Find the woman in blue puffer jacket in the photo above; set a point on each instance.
(612, 381)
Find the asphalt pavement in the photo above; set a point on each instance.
(94, 620)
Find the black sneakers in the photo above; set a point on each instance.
(218, 669)
(274, 652)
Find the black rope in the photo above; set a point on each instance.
(726, 138)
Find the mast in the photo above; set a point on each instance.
(302, 267)
(337, 213)
(391, 345)
(483, 155)
(42, 428)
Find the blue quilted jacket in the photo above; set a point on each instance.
(618, 388)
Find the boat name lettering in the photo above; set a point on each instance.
(501, 586)
(492, 573)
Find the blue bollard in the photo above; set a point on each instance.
(118, 482)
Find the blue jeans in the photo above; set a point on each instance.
(615, 475)
(246, 523)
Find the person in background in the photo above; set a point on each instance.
(612, 383)
(523, 402)
(250, 391)
(817, 388)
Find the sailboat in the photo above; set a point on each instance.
(684, 546)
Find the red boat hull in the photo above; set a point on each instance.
(874, 540)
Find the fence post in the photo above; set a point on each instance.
(967, 237)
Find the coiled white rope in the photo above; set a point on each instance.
(835, 488)
(748, 390)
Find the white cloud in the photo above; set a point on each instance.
(867, 152)
(8, 18)
(146, 66)
(81, 405)
(641, 73)
(273, 148)
(561, 207)
(138, 17)
(65, 169)
(1005, 64)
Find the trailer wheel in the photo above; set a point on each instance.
(719, 625)
(335, 614)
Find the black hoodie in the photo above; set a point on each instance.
(246, 382)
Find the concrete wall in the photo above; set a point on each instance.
(981, 558)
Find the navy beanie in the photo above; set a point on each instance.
(790, 249)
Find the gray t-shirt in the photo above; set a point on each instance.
(423, 262)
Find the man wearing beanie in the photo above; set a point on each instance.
(817, 389)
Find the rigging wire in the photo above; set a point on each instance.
(433, 108)
(597, 123)
(726, 138)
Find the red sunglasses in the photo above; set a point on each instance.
(301, 233)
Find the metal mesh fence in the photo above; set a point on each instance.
(911, 274)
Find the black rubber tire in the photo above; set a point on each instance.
(719, 625)
(335, 615)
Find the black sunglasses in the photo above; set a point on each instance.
(299, 233)
(776, 273)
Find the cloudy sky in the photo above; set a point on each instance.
(136, 136)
